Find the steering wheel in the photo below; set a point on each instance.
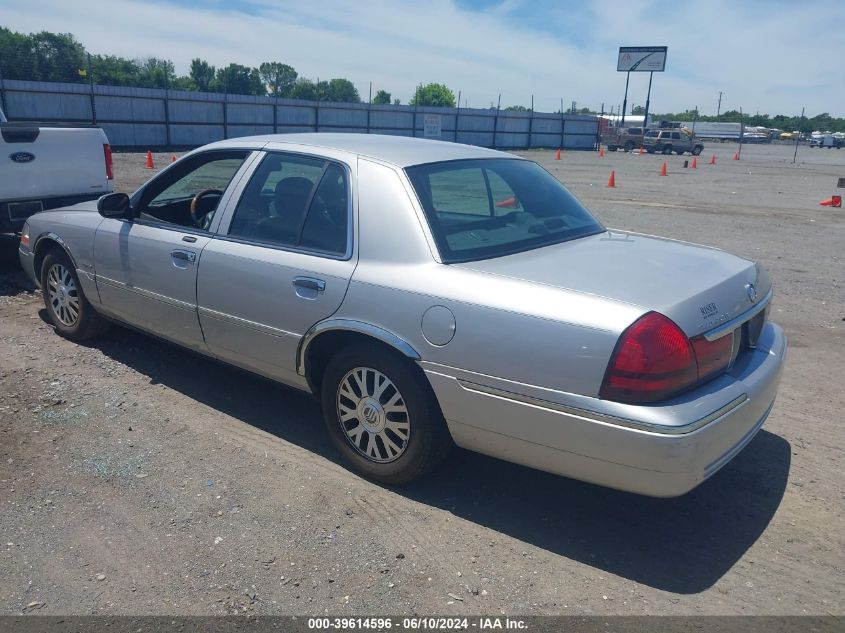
(198, 219)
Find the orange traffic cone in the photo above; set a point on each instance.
(694, 163)
(173, 158)
(601, 152)
(713, 159)
(833, 201)
(508, 202)
(557, 155)
(736, 156)
(149, 164)
(611, 182)
(663, 170)
(642, 151)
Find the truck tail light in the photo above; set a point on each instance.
(654, 360)
(107, 156)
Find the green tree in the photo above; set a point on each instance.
(184, 83)
(202, 74)
(433, 95)
(16, 58)
(304, 89)
(155, 73)
(340, 90)
(397, 102)
(517, 108)
(239, 80)
(280, 78)
(114, 71)
(57, 57)
(382, 97)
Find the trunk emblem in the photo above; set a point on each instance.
(752, 292)
(22, 157)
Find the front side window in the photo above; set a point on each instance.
(295, 201)
(478, 209)
(188, 194)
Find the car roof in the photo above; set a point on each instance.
(402, 151)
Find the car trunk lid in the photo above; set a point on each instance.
(698, 287)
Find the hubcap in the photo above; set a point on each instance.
(63, 295)
(373, 415)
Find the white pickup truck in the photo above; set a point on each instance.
(45, 167)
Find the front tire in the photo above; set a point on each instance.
(382, 416)
(69, 310)
(696, 151)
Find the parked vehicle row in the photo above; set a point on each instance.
(827, 141)
(662, 140)
(668, 141)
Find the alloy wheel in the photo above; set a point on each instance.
(63, 295)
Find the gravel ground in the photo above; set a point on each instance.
(137, 478)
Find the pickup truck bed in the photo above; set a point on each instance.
(45, 167)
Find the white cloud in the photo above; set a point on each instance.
(773, 60)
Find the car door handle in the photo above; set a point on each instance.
(310, 283)
(187, 256)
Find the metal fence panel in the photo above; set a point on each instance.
(151, 117)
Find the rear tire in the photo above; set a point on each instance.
(70, 312)
(629, 146)
(382, 415)
(667, 150)
(696, 151)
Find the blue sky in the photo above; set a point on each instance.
(766, 56)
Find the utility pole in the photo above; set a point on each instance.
(797, 136)
(719, 105)
(625, 100)
(694, 119)
(647, 100)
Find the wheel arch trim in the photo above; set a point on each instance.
(52, 237)
(351, 325)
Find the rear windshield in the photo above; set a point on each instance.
(479, 209)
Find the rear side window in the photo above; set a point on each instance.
(295, 201)
(652, 133)
(478, 209)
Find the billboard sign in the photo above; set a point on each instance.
(642, 59)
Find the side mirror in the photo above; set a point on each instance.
(114, 205)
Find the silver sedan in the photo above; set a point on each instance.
(431, 294)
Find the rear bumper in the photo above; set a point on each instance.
(14, 213)
(712, 426)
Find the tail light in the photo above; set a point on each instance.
(654, 360)
(107, 156)
(712, 356)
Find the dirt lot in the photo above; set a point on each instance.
(137, 478)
